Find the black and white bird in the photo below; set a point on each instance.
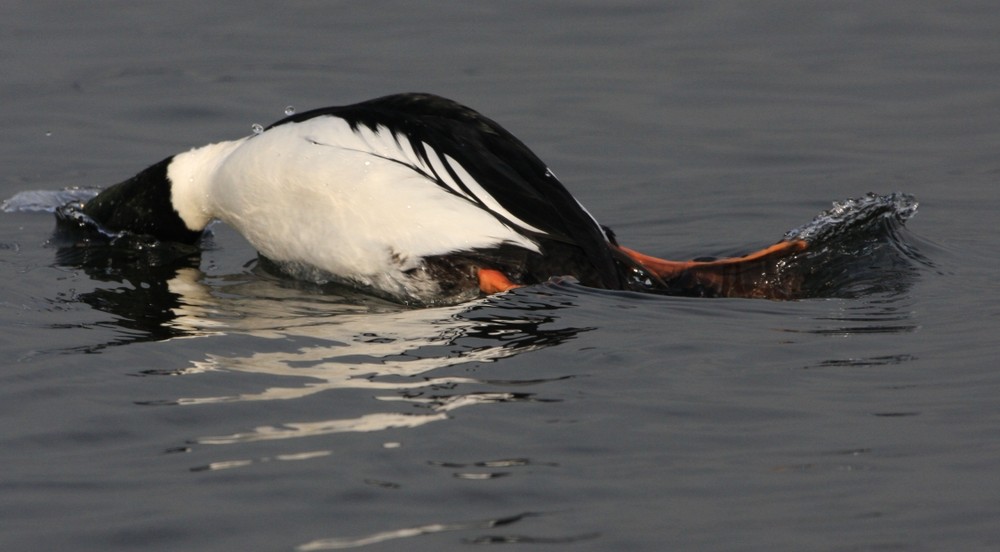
(413, 197)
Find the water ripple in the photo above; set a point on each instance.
(340, 543)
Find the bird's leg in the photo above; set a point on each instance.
(753, 275)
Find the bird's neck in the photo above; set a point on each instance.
(191, 175)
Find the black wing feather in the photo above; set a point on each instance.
(510, 172)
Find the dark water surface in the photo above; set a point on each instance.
(200, 403)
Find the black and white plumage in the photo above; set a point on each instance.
(412, 196)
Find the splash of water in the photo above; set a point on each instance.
(857, 247)
(856, 214)
(46, 201)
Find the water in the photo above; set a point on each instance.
(196, 401)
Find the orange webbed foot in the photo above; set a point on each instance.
(493, 281)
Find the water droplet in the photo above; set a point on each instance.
(257, 128)
(48, 133)
(289, 110)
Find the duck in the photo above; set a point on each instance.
(412, 197)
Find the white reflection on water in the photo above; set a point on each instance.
(348, 346)
(339, 543)
(230, 464)
(368, 422)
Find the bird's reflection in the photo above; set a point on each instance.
(378, 347)
(314, 339)
(356, 346)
